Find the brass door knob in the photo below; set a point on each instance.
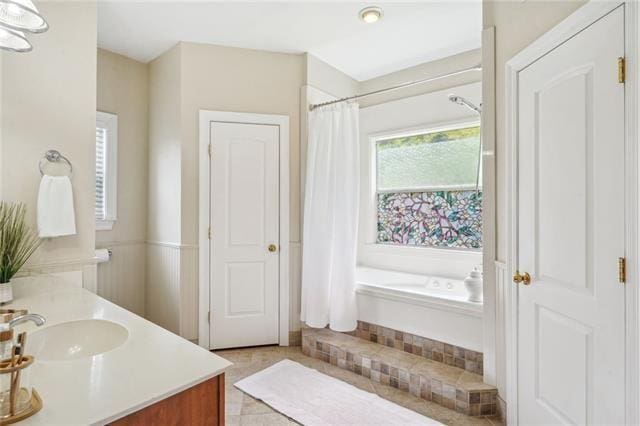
(272, 248)
(523, 278)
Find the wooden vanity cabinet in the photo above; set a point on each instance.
(202, 404)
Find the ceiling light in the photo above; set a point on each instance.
(371, 14)
(22, 15)
(14, 41)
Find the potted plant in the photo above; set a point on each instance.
(17, 244)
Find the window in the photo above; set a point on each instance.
(426, 189)
(106, 170)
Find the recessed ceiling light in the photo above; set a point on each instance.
(371, 14)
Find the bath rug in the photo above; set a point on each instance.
(312, 398)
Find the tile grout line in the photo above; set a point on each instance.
(470, 402)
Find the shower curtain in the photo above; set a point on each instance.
(331, 218)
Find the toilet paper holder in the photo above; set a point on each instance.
(103, 255)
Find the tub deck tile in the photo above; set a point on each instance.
(450, 386)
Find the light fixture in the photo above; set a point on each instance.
(371, 14)
(22, 15)
(14, 41)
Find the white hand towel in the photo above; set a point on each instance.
(56, 216)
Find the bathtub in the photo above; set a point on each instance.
(428, 306)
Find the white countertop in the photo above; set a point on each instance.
(151, 365)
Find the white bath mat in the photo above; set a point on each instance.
(312, 398)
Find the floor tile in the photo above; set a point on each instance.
(243, 409)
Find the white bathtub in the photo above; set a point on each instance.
(428, 306)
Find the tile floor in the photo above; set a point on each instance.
(241, 409)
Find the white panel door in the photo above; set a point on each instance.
(244, 224)
(571, 231)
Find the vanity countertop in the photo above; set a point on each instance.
(151, 365)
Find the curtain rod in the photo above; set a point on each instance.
(399, 86)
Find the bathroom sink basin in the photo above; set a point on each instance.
(75, 339)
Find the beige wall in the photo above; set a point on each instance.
(164, 197)
(123, 89)
(330, 80)
(184, 80)
(164, 147)
(241, 80)
(48, 102)
(517, 25)
(419, 72)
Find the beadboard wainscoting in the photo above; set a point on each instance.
(163, 285)
(502, 281)
(172, 287)
(189, 292)
(122, 279)
(295, 284)
(171, 294)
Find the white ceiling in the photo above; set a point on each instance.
(410, 33)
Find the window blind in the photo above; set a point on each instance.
(101, 147)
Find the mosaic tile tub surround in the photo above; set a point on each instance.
(456, 356)
(449, 386)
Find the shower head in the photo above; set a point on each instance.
(478, 109)
(462, 101)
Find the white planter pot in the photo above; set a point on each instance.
(473, 283)
(6, 292)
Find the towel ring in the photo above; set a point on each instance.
(54, 156)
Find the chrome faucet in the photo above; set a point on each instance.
(37, 319)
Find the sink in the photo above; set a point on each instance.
(75, 339)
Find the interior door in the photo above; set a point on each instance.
(244, 232)
(571, 231)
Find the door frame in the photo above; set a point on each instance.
(572, 25)
(204, 299)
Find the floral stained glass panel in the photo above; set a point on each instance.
(434, 219)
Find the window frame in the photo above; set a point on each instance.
(109, 122)
(371, 244)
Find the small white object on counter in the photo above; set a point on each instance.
(473, 283)
(151, 365)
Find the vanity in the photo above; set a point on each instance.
(97, 363)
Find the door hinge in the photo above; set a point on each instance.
(622, 270)
(210, 150)
(621, 69)
(209, 317)
(209, 233)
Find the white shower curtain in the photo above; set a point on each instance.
(331, 218)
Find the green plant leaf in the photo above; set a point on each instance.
(17, 241)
